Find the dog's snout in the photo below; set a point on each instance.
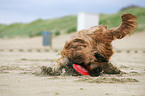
(96, 71)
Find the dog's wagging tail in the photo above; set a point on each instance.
(92, 48)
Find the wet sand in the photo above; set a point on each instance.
(19, 65)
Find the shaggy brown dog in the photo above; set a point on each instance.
(92, 47)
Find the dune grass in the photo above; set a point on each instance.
(66, 25)
(114, 20)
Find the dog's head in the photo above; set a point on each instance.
(78, 51)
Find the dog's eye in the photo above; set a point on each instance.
(100, 57)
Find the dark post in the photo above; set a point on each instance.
(46, 38)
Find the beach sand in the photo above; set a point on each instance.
(22, 58)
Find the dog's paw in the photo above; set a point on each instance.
(96, 71)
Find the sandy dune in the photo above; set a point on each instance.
(19, 68)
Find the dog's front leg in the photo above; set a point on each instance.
(61, 63)
(110, 69)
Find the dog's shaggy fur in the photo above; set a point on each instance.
(92, 47)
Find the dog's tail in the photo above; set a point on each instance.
(129, 23)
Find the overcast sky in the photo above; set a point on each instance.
(24, 11)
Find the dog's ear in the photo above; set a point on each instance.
(100, 57)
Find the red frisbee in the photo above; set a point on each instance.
(80, 69)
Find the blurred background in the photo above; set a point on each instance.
(21, 19)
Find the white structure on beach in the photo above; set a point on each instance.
(87, 20)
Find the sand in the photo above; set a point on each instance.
(22, 58)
